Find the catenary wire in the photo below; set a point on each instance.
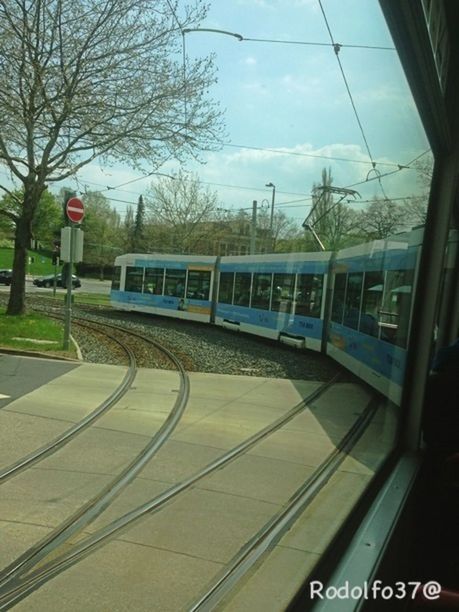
(315, 44)
(337, 48)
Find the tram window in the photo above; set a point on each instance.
(153, 281)
(396, 307)
(175, 283)
(261, 291)
(116, 278)
(353, 300)
(134, 278)
(198, 287)
(309, 295)
(339, 294)
(242, 289)
(225, 290)
(283, 286)
(371, 304)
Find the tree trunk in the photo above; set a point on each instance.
(16, 304)
(22, 241)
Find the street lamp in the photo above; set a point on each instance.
(235, 34)
(272, 210)
(187, 31)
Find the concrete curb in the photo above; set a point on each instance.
(10, 351)
(77, 348)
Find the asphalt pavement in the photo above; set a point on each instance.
(19, 375)
(88, 285)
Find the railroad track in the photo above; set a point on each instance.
(68, 435)
(28, 574)
(89, 511)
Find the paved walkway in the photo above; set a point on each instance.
(165, 561)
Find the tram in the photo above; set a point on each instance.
(167, 285)
(276, 296)
(285, 297)
(386, 307)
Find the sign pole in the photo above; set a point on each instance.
(74, 209)
(68, 304)
(55, 280)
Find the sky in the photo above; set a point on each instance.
(288, 113)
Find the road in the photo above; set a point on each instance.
(88, 285)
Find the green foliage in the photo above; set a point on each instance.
(102, 227)
(47, 221)
(139, 227)
(6, 257)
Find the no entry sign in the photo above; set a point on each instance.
(75, 210)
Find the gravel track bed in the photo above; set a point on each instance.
(208, 348)
(97, 348)
(201, 347)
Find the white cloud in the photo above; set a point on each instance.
(294, 170)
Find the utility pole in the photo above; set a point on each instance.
(271, 221)
(253, 228)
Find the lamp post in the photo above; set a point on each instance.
(272, 211)
(235, 34)
(185, 31)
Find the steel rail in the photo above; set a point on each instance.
(32, 581)
(94, 507)
(273, 530)
(61, 440)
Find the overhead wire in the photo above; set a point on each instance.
(240, 187)
(315, 44)
(419, 157)
(337, 48)
(314, 155)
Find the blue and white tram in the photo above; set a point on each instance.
(364, 327)
(276, 296)
(179, 286)
(371, 309)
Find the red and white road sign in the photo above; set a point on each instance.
(75, 210)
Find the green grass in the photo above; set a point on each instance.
(94, 299)
(6, 258)
(33, 332)
(40, 266)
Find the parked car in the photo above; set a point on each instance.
(48, 281)
(5, 277)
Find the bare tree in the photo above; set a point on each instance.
(81, 80)
(381, 219)
(416, 209)
(332, 220)
(424, 167)
(282, 228)
(184, 207)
